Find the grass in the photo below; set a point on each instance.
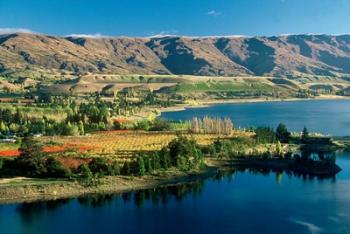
(221, 86)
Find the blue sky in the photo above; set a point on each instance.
(181, 17)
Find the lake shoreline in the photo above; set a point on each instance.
(62, 189)
(207, 103)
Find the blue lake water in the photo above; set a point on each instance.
(235, 202)
(324, 116)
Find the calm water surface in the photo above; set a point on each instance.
(324, 116)
(237, 202)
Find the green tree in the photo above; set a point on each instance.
(148, 164)
(30, 148)
(304, 134)
(31, 159)
(3, 128)
(182, 151)
(165, 160)
(282, 133)
(156, 162)
(142, 125)
(88, 178)
(141, 170)
(126, 170)
(265, 135)
(99, 166)
(85, 171)
(81, 128)
(56, 169)
(69, 129)
(114, 168)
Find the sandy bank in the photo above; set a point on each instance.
(18, 190)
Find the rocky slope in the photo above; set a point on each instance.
(322, 55)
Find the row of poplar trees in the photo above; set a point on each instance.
(211, 125)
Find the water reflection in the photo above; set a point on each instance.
(316, 155)
(165, 194)
(96, 200)
(32, 211)
(229, 174)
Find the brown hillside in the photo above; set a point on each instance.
(321, 55)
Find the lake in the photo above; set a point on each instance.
(323, 116)
(234, 202)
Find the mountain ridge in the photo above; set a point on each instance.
(286, 55)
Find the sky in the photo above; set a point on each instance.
(142, 18)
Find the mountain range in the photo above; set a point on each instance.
(278, 56)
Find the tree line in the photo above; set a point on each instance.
(209, 125)
(281, 134)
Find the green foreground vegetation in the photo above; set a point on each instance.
(182, 153)
(31, 109)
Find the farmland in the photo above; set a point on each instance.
(113, 144)
(121, 144)
(98, 160)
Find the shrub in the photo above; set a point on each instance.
(142, 125)
(56, 169)
(69, 129)
(87, 177)
(129, 168)
(114, 169)
(222, 148)
(102, 166)
(141, 170)
(279, 149)
(98, 165)
(85, 171)
(265, 135)
(160, 125)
